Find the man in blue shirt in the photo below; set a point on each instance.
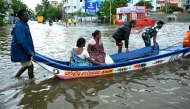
(22, 48)
(151, 32)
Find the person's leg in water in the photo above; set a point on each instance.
(20, 71)
(119, 44)
(31, 71)
(26, 65)
(146, 40)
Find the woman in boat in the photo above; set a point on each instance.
(80, 57)
(96, 48)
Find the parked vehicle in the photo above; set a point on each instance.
(40, 19)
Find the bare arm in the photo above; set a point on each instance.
(154, 41)
(89, 48)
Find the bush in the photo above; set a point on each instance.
(171, 9)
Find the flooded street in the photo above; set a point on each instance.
(166, 86)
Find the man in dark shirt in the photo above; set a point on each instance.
(22, 48)
(123, 33)
(151, 32)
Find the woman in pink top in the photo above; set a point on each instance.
(96, 48)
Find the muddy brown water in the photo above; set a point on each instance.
(166, 86)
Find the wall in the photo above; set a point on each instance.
(180, 17)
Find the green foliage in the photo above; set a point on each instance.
(79, 12)
(171, 9)
(1, 20)
(1, 7)
(114, 4)
(42, 8)
(2, 13)
(98, 13)
(148, 4)
(48, 11)
(17, 5)
(54, 12)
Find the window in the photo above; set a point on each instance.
(120, 16)
(139, 15)
(74, 7)
(127, 16)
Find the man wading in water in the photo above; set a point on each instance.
(22, 48)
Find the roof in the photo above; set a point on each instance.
(168, 1)
(54, 2)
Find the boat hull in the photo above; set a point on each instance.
(70, 74)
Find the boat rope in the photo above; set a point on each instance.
(171, 45)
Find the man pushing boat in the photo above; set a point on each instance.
(151, 32)
(123, 33)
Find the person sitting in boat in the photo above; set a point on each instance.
(151, 32)
(123, 33)
(96, 49)
(186, 39)
(80, 57)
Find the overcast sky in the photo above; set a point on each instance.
(32, 3)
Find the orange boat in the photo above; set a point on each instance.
(137, 13)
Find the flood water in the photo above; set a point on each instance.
(159, 87)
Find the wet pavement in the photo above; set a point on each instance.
(158, 87)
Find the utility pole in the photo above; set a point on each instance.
(85, 10)
(110, 12)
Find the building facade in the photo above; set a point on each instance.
(71, 6)
(180, 3)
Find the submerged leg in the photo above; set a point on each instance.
(20, 71)
(31, 71)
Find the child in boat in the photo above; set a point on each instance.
(186, 39)
(80, 57)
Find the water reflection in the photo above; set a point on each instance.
(79, 93)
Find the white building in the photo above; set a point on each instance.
(71, 6)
